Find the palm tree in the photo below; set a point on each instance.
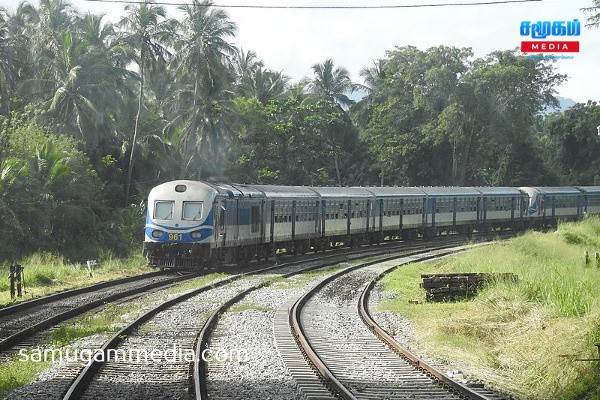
(201, 65)
(14, 54)
(373, 77)
(332, 83)
(147, 35)
(244, 65)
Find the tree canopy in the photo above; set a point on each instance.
(93, 114)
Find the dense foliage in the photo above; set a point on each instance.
(93, 114)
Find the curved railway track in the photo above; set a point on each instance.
(173, 324)
(350, 360)
(308, 384)
(22, 321)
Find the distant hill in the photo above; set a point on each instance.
(564, 104)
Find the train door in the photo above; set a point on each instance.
(512, 209)
(485, 206)
(317, 219)
(323, 211)
(272, 221)
(424, 217)
(454, 205)
(370, 226)
(401, 212)
(220, 222)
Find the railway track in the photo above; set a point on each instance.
(172, 325)
(175, 323)
(349, 359)
(242, 384)
(20, 322)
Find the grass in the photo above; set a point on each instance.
(107, 320)
(16, 373)
(196, 283)
(46, 273)
(522, 336)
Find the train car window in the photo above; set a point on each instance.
(163, 210)
(192, 210)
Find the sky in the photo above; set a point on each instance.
(293, 40)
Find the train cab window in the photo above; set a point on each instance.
(163, 210)
(192, 210)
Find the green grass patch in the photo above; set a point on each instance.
(107, 320)
(16, 373)
(46, 273)
(196, 283)
(523, 336)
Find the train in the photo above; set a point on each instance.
(197, 225)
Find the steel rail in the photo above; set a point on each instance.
(327, 375)
(80, 384)
(363, 311)
(199, 368)
(25, 305)
(31, 330)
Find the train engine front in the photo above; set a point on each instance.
(179, 225)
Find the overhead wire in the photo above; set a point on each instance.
(325, 7)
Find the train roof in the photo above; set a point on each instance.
(436, 191)
(499, 191)
(553, 190)
(345, 192)
(395, 191)
(589, 189)
(181, 186)
(273, 191)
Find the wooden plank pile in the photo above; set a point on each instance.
(450, 287)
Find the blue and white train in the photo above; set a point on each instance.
(195, 225)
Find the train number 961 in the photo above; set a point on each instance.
(175, 236)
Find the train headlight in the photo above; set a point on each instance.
(196, 235)
(157, 234)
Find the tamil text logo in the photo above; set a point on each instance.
(544, 29)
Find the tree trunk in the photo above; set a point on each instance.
(135, 132)
(463, 172)
(337, 170)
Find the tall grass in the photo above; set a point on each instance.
(45, 273)
(522, 335)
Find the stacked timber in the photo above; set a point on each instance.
(450, 287)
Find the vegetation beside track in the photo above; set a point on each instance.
(46, 273)
(16, 373)
(524, 337)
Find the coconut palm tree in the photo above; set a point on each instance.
(373, 77)
(147, 32)
(14, 60)
(203, 55)
(332, 83)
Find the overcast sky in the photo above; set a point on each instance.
(293, 40)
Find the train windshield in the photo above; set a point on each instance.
(192, 210)
(163, 209)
